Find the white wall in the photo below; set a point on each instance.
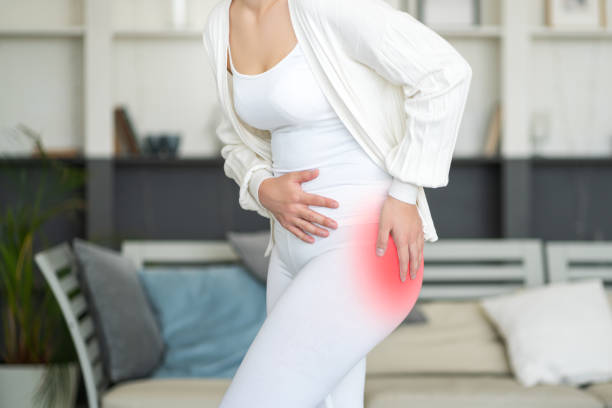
(166, 84)
(571, 87)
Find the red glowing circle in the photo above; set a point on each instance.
(377, 278)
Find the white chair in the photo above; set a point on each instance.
(58, 266)
(572, 260)
(473, 268)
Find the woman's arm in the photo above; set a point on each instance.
(434, 77)
(244, 166)
(285, 201)
(435, 80)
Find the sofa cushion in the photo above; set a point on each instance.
(603, 391)
(457, 338)
(250, 247)
(474, 391)
(120, 310)
(209, 316)
(560, 333)
(416, 315)
(167, 392)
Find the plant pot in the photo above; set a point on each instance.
(19, 383)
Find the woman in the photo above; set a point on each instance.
(336, 113)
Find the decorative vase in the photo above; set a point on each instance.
(179, 13)
(19, 383)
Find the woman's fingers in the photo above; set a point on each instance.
(415, 261)
(383, 237)
(318, 200)
(319, 218)
(302, 176)
(300, 234)
(310, 227)
(403, 254)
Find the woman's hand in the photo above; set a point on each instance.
(284, 197)
(403, 221)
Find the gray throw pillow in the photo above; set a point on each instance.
(250, 247)
(130, 339)
(416, 316)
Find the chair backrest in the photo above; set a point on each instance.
(473, 268)
(454, 268)
(58, 266)
(573, 260)
(178, 251)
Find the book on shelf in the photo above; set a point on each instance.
(494, 129)
(126, 140)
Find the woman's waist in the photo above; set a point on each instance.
(312, 147)
(357, 203)
(344, 176)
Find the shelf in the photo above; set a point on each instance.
(29, 161)
(572, 161)
(570, 33)
(217, 161)
(188, 34)
(44, 32)
(485, 31)
(477, 160)
(170, 161)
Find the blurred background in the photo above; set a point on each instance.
(121, 99)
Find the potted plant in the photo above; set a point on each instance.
(37, 359)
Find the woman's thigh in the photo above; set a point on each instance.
(279, 277)
(340, 304)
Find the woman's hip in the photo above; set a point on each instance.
(357, 216)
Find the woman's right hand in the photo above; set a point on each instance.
(284, 197)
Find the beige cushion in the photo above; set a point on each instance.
(456, 338)
(603, 391)
(551, 340)
(381, 392)
(164, 393)
(470, 392)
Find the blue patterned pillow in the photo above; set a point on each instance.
(208, 314)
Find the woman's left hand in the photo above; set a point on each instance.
(403, 221)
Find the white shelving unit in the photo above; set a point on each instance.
(152, 34)
(570, 34)
(48, 32)
(66, 63)
(483, 31)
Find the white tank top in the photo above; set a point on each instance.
(307, 133)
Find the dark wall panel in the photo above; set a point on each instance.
(469, 206)
(572, 201)
(178, 202)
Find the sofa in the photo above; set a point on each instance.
(456, 358)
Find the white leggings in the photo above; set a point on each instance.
(328, 304)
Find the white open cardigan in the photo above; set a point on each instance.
(398, 87)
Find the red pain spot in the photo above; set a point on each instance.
(377, 279)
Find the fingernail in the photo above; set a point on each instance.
(402, 278)
(379, 252)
